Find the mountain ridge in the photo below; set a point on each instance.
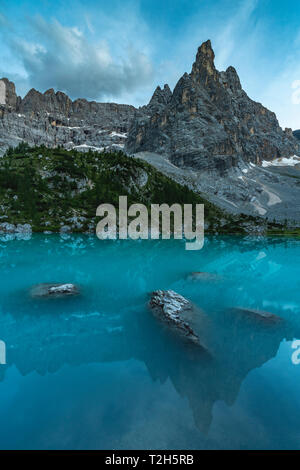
(52, 118)
(207, 122)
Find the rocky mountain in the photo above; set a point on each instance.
(209, 122)
(210, 135)
(54, 119)
(206, 134)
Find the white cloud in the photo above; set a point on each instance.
(61, 57)
(89, 23)
(228, 37)
(108, 56)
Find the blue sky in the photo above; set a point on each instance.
(120, 50)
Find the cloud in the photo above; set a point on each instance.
(89, 24)
(231, 26)
(286, 88)
(122, 51)
(61, 57)
(228, 36)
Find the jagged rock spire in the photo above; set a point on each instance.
(205, 51)
(160, 98)
(204, 67)
(233, 79)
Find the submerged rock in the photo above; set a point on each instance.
(203, 276)
(170, 307)
(255, 314)
(54, 290)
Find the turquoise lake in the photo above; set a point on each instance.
(98, 371)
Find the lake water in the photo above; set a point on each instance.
(99, 371)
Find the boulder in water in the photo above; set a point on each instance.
(169, 307)
(54, 290)
(203, 276)
(260, 315)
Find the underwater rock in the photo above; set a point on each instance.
(203, 276)
(54, 290)
(170, 307)
(257, 314)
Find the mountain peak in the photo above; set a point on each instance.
(49, 92)
(233, 79)
(160, 98)
(204, 66)
(211, 123)
(206, 50)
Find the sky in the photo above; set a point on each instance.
(120, 50)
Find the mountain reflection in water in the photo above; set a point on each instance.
(111, 323)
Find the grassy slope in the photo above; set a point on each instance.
(49, 188)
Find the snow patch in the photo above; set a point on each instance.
(88, 147)
(291, 161)
(121, 146)
(259, 208)
(119, 134)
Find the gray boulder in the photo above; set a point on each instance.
(170, 308)
(5, 227)
(65, 229)
(203, 276)
(54, 290)
(24, 229)
(257, 315)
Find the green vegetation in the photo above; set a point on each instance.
(48, 188)
(284, 232)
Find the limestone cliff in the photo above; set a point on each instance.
(54, 119)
